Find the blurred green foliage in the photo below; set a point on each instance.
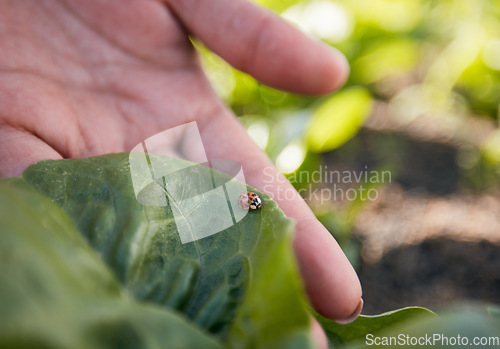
(432, 57)
(440, 59)
(338, 119)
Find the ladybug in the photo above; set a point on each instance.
(249, 200)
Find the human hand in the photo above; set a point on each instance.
(83, 78)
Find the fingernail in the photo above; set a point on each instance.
(353, 316)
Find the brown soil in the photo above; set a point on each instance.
(432, 274)
(433, 236)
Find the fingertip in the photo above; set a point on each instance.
(318, 335)
(338, 71)
(304, 65)
(353, 316)
(309, 67)
(330, 280)
(343, 304)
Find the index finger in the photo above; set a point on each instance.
(260, 43)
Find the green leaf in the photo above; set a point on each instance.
(338, 119)
(389, 57)
(240, 284)
(368, 324)
(455, 327)
(55, 292)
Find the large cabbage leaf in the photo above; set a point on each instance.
(240, 285)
